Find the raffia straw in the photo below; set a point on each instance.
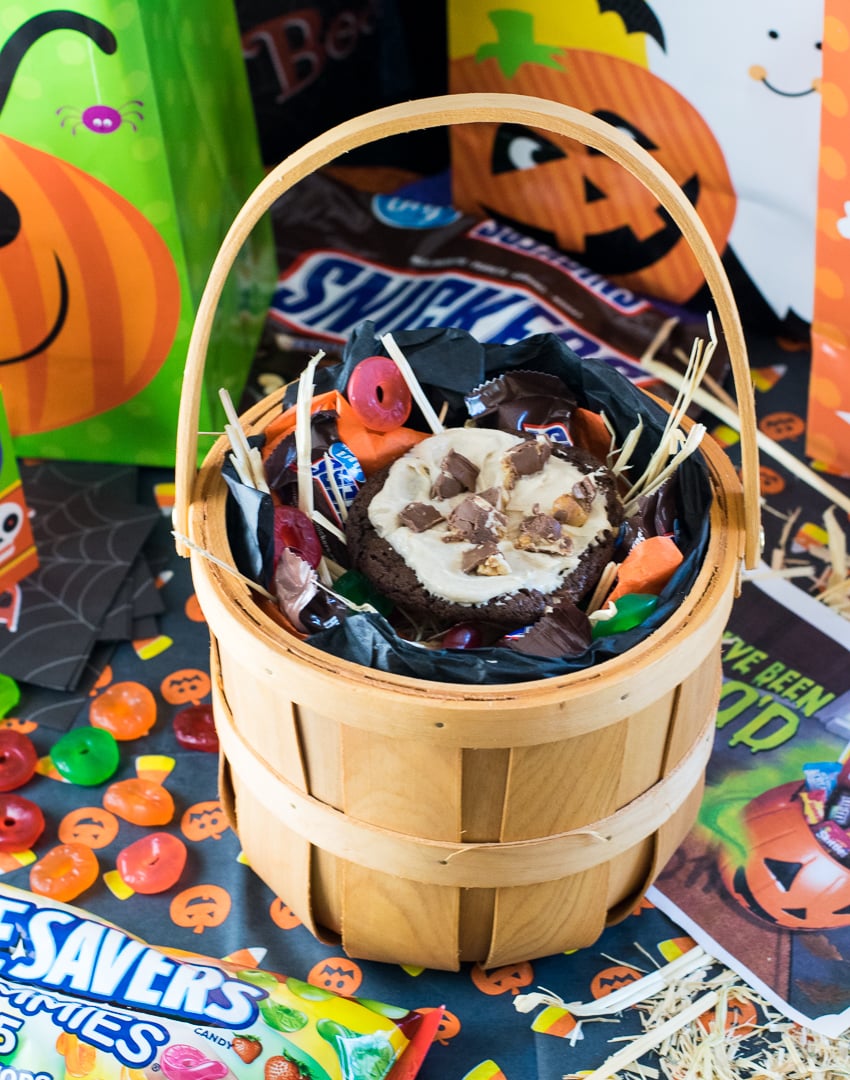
(225, 566)
(326, 523)
(401, 362)
(603, 587)
(688, 963)
(694, 438)
(303, 435)
(837, 547)
(777, 558)
(779, 572)
(711, 1047)
(765, 444)
(700, 358)
(602, 614)
(246, 459)
(834, 591)
(338, 498)
(708, 380)
(667, 456)
(241, 467)
(662, 336)
(359, 608)
(622, 459)
(653, 1038)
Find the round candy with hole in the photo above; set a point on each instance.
(462, 636)
(87, 756)
(153, 863)
(378, 394)
(65, 872)
(180, 1061)
(194, 728)
(18, 759)
(139, 801)
(21, 823)
(126, 710)
(293, 529)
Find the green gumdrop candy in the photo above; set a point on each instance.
(264, 979)
(282, 1017)
(361, 1056)
(10, 694)
(392, 1012)
(632, 610)
(307, 991)
(359, 590)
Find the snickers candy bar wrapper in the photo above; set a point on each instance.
(81, 998)
(347, 255)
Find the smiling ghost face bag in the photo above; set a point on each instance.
(422, 822)
(127, 143)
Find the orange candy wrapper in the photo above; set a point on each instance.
(648, 567)
(372, 449)
(80, 997)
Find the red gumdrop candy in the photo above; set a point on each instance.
(65, 872)
(21, 823)
(378, 394)
(152, 864)
(194, 728)
(293, 529)
(462, 636)
(18, 759)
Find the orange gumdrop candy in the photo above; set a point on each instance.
(65, 872)
(648, 567)
(127, 710)
(141, 802)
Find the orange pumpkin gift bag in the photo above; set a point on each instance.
(127, 142)
(724, 95)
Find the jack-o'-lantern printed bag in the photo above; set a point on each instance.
(722, 94)
(127, 144)
(744, 104)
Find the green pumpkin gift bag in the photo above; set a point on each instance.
(127, 144)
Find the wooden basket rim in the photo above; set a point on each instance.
(441, 111)
(466, 713)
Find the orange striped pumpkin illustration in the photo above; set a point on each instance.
(89, 293)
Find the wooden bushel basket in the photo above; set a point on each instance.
(429, 823)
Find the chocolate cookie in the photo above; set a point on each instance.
(480, 525)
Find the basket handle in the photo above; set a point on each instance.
(463, 109)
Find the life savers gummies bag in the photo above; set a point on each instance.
(80, 997)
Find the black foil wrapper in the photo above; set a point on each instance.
(250, 524)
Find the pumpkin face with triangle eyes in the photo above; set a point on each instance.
(575, 197)
(790, 879)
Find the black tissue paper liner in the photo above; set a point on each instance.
(449, 363)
